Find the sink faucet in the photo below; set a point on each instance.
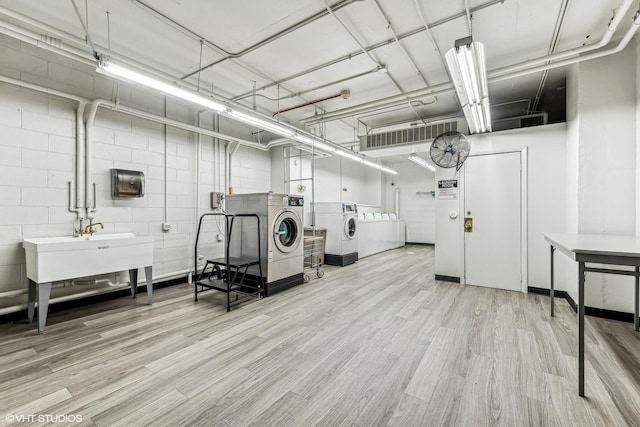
(79, 231)
(89, 228)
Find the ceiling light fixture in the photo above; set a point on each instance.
(467, 67)
(422, 162)
(109, 67)
(261, 123)
(315, 144)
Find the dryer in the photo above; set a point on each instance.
(341, 221)
(281, 237)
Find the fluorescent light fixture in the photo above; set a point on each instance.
(349, 155)
(422, 162)
(262, 124)
(379, 166)
(466, 63)
(343, 152)
(315, 143)
(388, 170)
(107, 67)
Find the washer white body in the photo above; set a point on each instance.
(341, 221)
(281, 236)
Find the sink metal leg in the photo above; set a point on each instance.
(133, 281)
(44, 292)
(149, 276)
(31, 305)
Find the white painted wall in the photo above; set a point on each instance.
(334, 179)
(546, 202)
(637, 64)
(418, 210)
(37, 159)
(602, 150)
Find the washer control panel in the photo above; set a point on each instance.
(295, 201)
(349, 208)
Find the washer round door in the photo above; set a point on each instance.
(287, 231)
(350, 227)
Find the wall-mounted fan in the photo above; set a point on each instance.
(450, 149)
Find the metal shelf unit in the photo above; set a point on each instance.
(227, 274)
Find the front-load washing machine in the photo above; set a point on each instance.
(281, 237)
(341, 221)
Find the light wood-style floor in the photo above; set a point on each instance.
(376, 343)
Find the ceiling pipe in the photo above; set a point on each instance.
(362, 48)
(544, 115)
(308, 103)
(552, 49)
(234, 55)
(501, 74)
(381, 44)
(595, 55)
(612, 26)
(84, 27)
(346, 28)
(313, 89)
(397, 42)
(422, 15)
(389, 101)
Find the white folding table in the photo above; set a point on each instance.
(599, 249)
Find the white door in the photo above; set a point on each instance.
(492, 201)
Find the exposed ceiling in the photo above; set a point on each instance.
(296, 57)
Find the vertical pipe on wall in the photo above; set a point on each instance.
(216, 165)
(164, 186)
(226, 166)
(89, 203)
(198, 160)
(80, 142)
(230, 151)
(397, 202)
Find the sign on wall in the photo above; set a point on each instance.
(448, 189)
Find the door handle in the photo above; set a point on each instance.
(468, 225)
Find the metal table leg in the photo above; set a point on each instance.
(636, 312)
(581, 329)
(551, 291)
(44, 292)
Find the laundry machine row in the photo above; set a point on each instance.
(281, 234)
(341, 221)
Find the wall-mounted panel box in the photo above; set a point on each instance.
(216, 199)
(126, 183)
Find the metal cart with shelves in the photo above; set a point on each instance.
(314, 241)
(227, 274)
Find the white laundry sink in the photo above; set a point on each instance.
(62, 258)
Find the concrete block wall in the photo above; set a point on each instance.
(37, 160)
